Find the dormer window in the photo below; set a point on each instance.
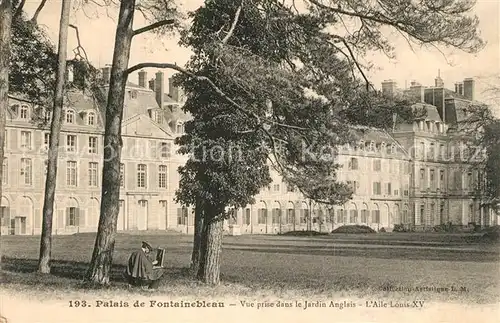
(23, 113)
(361, 145)
(91, 119)
(179, 128)
(372, 146)
(48, 116)
(70, 116)
(393, 148)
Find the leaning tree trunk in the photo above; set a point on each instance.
(55, 131)
(102, 256)
(198, 233)
(211, 249)
(5, 30)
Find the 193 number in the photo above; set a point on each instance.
(78, 304)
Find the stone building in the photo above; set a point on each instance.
(410, 176)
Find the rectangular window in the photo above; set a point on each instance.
(72, 217)
(247, 217)
(375, 216)
(162, 176)
(290, 216)
(353, 185)
(377, 165)
(276, 187)
(353, 164)
(141, 175)
(470, 182)
(71, 173)
(93, 177)
(377, 188)
(122, 175)
(353, 217)
(182, 216)
(27, 171)
(262, 216)
(388, 190)
(46, 139)
(431, 178)
(5, 171)
(71, 143)
(24, 112)
(26, 140)
(276, 216)
(441, 179)
(441, 214)
(432, 151)
(92, 145)
(165, 149)
(364, 216)
(422, 214)
(422, 178)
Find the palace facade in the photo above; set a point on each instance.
(403, 177)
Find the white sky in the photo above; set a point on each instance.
(98, 31)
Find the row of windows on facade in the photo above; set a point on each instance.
(460, 179)
(342, 216)
(372, 146)
(71, 144)
(441, 151)
(442, 213)
(26, 174)
(23, 112)
(431, 126)
(353, 164)
(90, 118)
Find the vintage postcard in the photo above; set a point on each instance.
(249, 160)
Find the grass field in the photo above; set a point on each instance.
(281, 266)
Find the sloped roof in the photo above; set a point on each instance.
(378, 136)
(431, 111)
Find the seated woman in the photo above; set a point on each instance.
(140, 271)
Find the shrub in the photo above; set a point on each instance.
(399, 228)
(354, 229)
(304, 233)
(382, 229)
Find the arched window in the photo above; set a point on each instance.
(91, 119)
(24, 112)
(70, 116)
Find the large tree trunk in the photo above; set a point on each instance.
(211, 249)
(5, 30)
(102, 257)
(198, 233)
(55, 131)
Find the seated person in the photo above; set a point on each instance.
(140, 271)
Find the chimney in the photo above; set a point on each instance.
(416, 91)
(461, 88)
(142, 78)
(456, 87)
(469, 88)
(106, 74)
(173, 91)
(389, 87)
(159, 88)
(438, 81)
(151, 84)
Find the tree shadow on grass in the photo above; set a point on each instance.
(67, 274)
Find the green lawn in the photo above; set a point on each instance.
(281, 266)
